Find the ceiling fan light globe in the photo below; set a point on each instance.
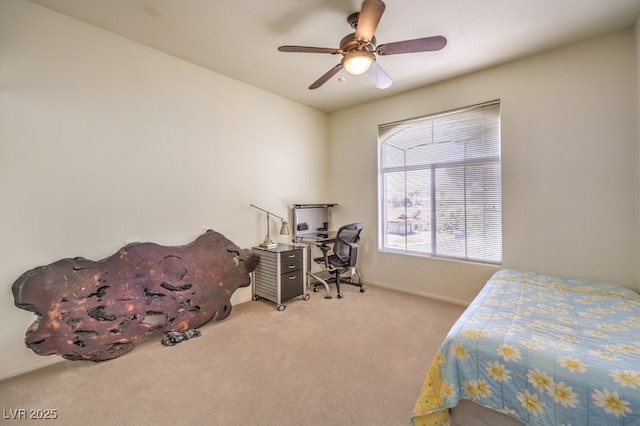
(356, 63)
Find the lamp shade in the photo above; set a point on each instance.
(284, 230)
(358, 62)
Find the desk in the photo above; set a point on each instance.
(311, 240)
(311, 224)
(316, 238)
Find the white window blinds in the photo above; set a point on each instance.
(440, 185)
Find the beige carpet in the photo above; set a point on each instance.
(359, 360)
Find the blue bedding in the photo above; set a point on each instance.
(544, 349)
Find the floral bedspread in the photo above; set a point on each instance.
(544, 349)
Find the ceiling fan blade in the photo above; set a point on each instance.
(370, 15)
(381, 78)
(322, 80)
(307, 49)
(425, 44)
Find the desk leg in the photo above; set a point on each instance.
(308, 263)
(310, 272)
(324, 283)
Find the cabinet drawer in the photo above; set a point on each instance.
(296, 265)
(289, 256)
(291, 285)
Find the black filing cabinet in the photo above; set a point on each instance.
(279, 275)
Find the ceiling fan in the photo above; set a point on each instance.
(359, 49)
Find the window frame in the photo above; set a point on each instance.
(490, 165)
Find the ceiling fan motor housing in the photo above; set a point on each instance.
(353, 19)
(349, 43)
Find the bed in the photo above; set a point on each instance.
(538, 349)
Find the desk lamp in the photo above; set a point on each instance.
(284, 230)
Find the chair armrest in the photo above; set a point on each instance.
(325, 253)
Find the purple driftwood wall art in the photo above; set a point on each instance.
(95, 310)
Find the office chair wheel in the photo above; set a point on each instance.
(362, 290)
(316, 289)
(281, 308)
(339, 295)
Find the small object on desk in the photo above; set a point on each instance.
(302, 227)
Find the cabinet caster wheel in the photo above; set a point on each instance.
(281, 307)
(305, 297)
(256, 297)
(362, 290)
(339, 295)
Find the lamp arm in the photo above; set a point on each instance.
(283, 231)
(267, 212)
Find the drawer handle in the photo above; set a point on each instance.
(292, 266)
(292, 255)
(293, 277)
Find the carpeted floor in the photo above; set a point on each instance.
(359, 360)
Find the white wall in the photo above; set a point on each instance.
(104, 141)
(569, 168)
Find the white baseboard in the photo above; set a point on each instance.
(49, 360)
(420, 293)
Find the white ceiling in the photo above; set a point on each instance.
(239, 38)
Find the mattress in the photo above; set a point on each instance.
(543, 350)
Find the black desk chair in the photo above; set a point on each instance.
(342, 260)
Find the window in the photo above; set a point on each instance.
(440, 186)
